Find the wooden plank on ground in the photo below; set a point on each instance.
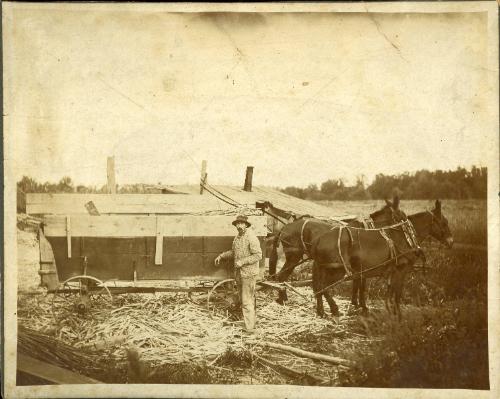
(51, 373)
(145, 226)
(310, 355)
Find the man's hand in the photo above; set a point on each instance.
(217, 260)
(237, 264)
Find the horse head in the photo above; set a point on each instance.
(439, 226)
(390, 213)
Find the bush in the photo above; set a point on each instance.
(448, 276)
(443, 347)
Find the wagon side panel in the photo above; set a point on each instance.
(143, 247)
(107, 258)
(185, 258)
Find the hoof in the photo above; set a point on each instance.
(336, 319)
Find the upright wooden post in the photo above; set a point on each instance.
(203, 177)
(248, 179)
(68, 235)
(111, 175)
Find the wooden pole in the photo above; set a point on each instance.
(111, 175)
(310, 355)
(248, 179)
(289, 371)
(203, 177)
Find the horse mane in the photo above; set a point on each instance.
(379, 212)
(418, 215)
(422, 213)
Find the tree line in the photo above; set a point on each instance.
(454, 184)
(423, 184)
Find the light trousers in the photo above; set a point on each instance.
(246, 291)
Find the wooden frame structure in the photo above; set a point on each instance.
(134, 237)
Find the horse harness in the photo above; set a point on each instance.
(341, 226)
(410, 237)
(368, 223)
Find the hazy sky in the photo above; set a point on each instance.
(301, 97)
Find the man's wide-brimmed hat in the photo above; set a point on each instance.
(241, 219)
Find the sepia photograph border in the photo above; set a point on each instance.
(491, 156)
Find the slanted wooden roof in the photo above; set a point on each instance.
(190, 203)
(276, 198)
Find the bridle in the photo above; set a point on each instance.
(434, 222)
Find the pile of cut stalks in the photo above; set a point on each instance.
(168, 329)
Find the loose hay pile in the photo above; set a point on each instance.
(173, 329)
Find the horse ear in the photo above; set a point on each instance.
(389, 203)
(437, 206)
(395, 202)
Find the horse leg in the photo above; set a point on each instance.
(286, 270)
(318, 284)
(357, 283)
(398, 290)
(355, 289)
(388, 295)
(397, 300)
(334, 309)
(283, 274)
(320, 310)
(282, 297)
(362, 298)
(273, 258)
(336, 275)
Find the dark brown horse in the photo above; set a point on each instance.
(379, 219)
(296, 238)
(388, 251)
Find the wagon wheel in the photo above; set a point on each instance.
(214, 288)
(77, 293)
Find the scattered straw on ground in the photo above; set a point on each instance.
(168, 328)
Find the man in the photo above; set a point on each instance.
(246, 254)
